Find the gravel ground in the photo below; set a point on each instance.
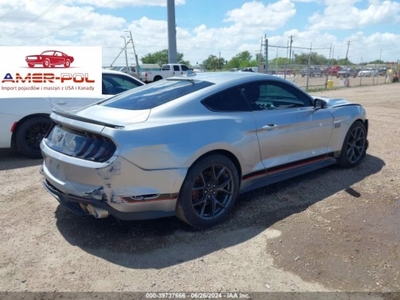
(331, 230)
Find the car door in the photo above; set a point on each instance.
(289, 129)
(232, 108)
(177, 70)
(57, 58)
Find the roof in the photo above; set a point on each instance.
(230, 77)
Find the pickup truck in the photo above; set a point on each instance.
(25, 121)
(167, 70)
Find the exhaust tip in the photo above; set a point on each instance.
(97, 212)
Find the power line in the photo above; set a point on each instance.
(11, 10)
(49, 8)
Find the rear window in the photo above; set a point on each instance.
(155, 94)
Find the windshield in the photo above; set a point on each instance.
(155, 94)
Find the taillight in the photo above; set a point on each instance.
(13, 126)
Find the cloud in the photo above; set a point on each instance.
(76, 22)
(343, 14)
(257, 15)
(125, 3)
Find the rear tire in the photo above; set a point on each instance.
(209, 191)
(29, 135)
(354, 146)
(157, 78)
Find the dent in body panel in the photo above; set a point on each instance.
(118, 182)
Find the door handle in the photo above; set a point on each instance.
(270, 126)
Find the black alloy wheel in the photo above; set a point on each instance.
(208, 192)
(30, 134)
(354, 145)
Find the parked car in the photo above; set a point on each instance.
(346, 72)
(49, 59)
(331, 70)
(369, 72)
(189, 145)
(250, 69)
(311, 71)
(24, 121)
(382, 71)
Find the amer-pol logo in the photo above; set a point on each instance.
(50, 59)
(48, 77)
(50, 73)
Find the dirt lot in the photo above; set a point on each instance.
(331, 230)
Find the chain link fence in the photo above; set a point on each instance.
(316, 77)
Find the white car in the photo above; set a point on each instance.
(25, 121)
(368, 73)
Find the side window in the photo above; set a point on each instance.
(176, 68)
(166, 68)
(115, 84)
(275, 95)
(228, 101)
(184, 68)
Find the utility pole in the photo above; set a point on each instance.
(134, 52)
(172, 52)
(308, 67)
(266, 55)
(347, 53)
(260, 56)
(290, 49)
(126, 55)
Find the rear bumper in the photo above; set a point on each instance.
(79, 206)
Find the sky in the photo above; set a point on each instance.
(369, 30)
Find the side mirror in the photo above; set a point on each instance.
(320, 104)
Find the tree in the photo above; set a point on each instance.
(315, 59)
(161, 57)
(260, 58)
(241, 60)
(213, 63)
(280, 61)
(377, 62)
(344, 61)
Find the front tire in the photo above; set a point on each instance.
(209, 191)
(354, 146)
(46, 63)
(30, 134)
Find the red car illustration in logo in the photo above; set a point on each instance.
(49, 59)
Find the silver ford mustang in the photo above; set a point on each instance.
(189, 145)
